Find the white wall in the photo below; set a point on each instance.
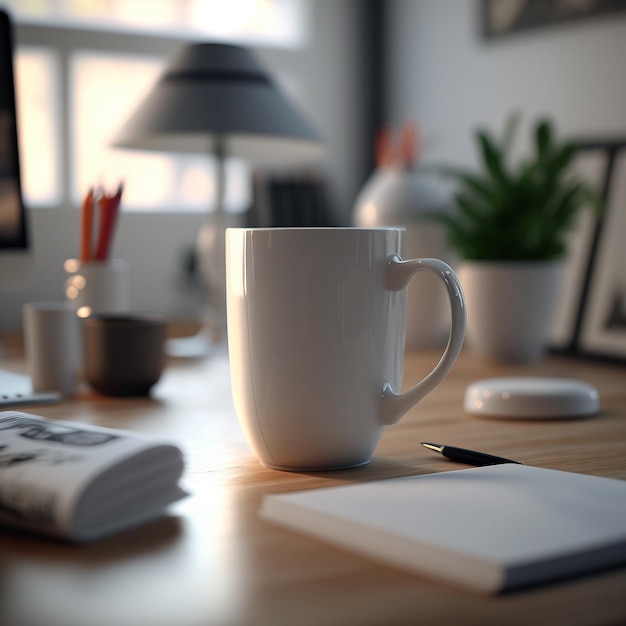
(442, 73)
(329, 79)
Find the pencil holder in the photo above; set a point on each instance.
(98, 286)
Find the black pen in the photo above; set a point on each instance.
(460, 455)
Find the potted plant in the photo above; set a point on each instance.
(510, 231)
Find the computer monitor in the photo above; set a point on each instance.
(16, 255)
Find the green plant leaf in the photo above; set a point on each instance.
(510, 130)
(543, 137)
(517, 212)
(468, 208)
(562, 158)
(492, 157)
(566, 207)
(479, 187)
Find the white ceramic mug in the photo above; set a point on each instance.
(316, 323)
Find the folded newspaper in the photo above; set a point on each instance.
(80, 482)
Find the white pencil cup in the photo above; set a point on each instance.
(98, 286)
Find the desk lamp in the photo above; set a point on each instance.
(216, 98)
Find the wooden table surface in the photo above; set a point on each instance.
(212, 561)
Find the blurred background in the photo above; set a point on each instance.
(350, 66)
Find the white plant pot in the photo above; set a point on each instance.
(510, 306)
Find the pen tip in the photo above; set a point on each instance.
(437, 447)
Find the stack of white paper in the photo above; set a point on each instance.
(488, 528)
(81, 482)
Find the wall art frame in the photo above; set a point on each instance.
(592, 316)
(503, 18)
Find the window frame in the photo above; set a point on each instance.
(66, 41)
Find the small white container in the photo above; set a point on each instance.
(531, 398)
(98, 286)
(50, 341)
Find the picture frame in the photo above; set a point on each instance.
(591, 165)
(603, 324)
(504, 18)
(591, 315)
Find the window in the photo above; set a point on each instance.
(259, 22)
(104, 88)
(37, 96)
(72, 97)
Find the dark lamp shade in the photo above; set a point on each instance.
(221, 90)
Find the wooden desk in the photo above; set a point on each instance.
(213, 562)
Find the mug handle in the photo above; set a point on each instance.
(397, 275)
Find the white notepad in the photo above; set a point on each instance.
(488, 528)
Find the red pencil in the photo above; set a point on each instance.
(109, 208)
(86, 227)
